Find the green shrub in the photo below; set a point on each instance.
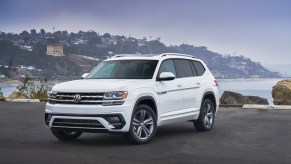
(29, 89)
(1, 94)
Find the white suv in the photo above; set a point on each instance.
(133, 95)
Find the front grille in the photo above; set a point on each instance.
(76, 98)
(77, 123)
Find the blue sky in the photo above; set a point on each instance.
(258, 29)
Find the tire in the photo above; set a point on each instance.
(66, 135)
(143, 125)
(205, 120)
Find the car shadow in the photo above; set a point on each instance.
(164, 134)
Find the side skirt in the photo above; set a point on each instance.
(179, 116)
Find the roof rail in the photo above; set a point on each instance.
(149, 55)
(124, 55)
(133, 55)
(176, 54)
(116, 56)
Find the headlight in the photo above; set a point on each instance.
(118, 95)
(114, 98)
(52, 94)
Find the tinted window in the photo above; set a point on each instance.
(199, 67)
(167, 66)
(193, 68)
(183, 68)
(124, 69)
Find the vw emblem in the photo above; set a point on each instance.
(77, 98)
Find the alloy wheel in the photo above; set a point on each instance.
(143, 124)
(208, 119)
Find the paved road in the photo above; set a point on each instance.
(241, 137)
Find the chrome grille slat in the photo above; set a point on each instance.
(73, 123)
(68, 98)
(62, 100)
(77, 123)
(92, 97)
(88, 101)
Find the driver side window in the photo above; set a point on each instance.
(167, 66)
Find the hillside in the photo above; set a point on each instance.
(29, 49)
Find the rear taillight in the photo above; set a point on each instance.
(215, 82)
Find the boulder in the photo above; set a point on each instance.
(2, 98)
(281, 93)
(15, 95)
(233, 98)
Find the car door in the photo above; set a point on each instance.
(170, 92)
(189, 82)
(198, 81)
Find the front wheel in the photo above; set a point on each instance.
(143, 125)
(205, 120)
(65, 135)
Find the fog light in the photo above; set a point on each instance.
(117, 121)
(113, 119)
(47, 118)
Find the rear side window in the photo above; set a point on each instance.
(183, 68)
(199, 67)
(193, 68)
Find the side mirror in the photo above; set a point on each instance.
(166, 76)
(84, 75)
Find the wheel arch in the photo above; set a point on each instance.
(147, 100)
(211, 96)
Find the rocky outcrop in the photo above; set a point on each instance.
(281, 93)
(233, 98)
(2, 98)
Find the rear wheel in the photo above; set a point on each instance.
(205, 120)
(65, 135)
(143, 125)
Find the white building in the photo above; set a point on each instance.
(55, 49)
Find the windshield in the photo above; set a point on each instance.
(124, 69)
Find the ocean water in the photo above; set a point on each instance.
(7, 89)
(249, 87)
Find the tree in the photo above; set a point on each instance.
(65, 32)
(73, 35)
(42, 31)
(33, 31)
(10, 63)
(106, 35)
(94, 40)
(81, 32)
(24, 33)
(58, 33)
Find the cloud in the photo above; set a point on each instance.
(258, 29)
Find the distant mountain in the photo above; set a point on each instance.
(84, 49)
(284, 69)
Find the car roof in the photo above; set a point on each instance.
(151, 56)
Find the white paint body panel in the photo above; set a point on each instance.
(176, 100)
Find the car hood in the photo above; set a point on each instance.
(93, 85)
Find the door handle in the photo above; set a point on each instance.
(179, 85)
(198, 84)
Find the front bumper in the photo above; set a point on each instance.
(89, 118)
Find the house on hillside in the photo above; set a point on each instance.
(141, 42)
(55, 49)
(27, 48)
